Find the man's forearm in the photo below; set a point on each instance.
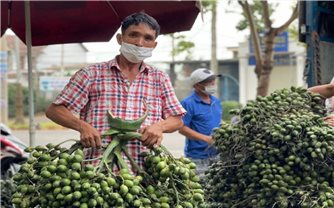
(326, 90)
(89, 136)
(62, 116)
(171, 124)
(188, 132)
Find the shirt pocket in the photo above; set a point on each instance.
(154, 107)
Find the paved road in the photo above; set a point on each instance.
(174, 141)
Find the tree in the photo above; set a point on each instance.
(263, 23)
(211, 5)
(179, 45)
(19, 111)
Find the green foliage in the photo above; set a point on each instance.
(257, 11)
(242, 25)
(207, 5)
(182, 45)
(227, 106)
(12, 99)
(7, 189)
(41, 103)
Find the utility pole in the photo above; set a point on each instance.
(62, 67)
(3, 81)
(172, 74)
(32, 127)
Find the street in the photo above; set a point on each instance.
(174, 141)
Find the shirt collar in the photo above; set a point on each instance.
(197, 98)
(113, 64)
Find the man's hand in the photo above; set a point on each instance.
(89, 136)
(152, 135)
(209, 140)
(194, 135)
(330, 120)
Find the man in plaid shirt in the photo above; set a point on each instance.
(126, 86)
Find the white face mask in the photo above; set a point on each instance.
(134, 53)
(210, 89)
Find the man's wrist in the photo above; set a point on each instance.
(331, 86)
(207, 139)
(80, 125)
(161, 126)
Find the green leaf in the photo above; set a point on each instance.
(110, 132)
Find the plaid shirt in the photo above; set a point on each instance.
(94, 90)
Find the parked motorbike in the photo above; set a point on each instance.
(12, 152)
(11, 156)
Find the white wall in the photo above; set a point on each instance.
(51, 56)
(281, 77)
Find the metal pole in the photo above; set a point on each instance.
(312, 25)
(172, 74)
(62, 68)
(30, 75)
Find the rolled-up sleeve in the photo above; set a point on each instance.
(75, 94)
(187, 118)
(170, 104)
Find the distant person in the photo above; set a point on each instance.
(327, 91)
(126, 86)
(204, 113)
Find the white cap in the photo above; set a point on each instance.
(200, 75)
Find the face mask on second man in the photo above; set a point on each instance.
(210, 89)
(134, 53)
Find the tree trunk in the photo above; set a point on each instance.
(264, 78)
(19, 113)
(254, 36)
(214, 62)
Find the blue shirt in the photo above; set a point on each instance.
(201, 117)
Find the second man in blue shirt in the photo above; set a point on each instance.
(204, 113)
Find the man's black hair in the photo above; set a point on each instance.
(141, 17)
